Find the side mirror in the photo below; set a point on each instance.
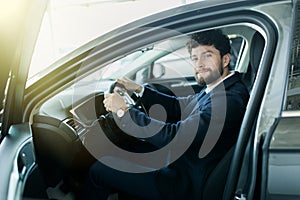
(158, 70)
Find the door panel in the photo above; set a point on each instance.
(284, 160)
(17, 160)
(20, 24)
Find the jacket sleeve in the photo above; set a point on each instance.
(154, 101)
(160, 133)
(213, 115)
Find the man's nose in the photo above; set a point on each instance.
(198, 64)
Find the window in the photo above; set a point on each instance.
(172, 65)
(69, 24)
(175, 63)
(293, 92)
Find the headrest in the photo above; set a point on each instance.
(256, 50)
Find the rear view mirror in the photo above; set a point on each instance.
(158, 70)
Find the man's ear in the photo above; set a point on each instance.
(226, 60)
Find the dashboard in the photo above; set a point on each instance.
(89, 110)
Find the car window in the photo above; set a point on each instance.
(293, 98)
(177, 63)
(293, 92)
(112, 70)
(69, 24)
(172, 65)
(167, 59)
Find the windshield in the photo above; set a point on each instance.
(115, 69)
(68, 24)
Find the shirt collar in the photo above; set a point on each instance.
(207, 90)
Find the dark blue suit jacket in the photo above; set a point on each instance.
(196, 131)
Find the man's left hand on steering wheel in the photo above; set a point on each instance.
(114, 102)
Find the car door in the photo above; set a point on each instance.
(19, 28)
(270, 168)
(281, 148)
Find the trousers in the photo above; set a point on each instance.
(101, 181)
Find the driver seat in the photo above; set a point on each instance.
(214, 185)
(216, 181)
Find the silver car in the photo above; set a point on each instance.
(45, 120)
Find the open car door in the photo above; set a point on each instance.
(20, 22)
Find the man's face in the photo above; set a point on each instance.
(207, 63)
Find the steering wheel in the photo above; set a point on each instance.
(130, 99)
(116, 135)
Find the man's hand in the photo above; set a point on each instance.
(113, 102)
(130, 85)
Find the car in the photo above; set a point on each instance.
(46, 120)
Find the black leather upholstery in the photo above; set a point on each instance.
(256, 50)
(215, 183)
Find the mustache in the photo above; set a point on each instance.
(202, 70)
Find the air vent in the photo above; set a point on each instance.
(75, 125)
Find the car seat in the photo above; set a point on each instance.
(215, 183)
(256, 50)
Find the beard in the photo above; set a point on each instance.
(212, 76)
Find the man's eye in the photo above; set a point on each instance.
(207, 55)
(194, 59)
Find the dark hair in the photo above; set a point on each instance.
(211, 37)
